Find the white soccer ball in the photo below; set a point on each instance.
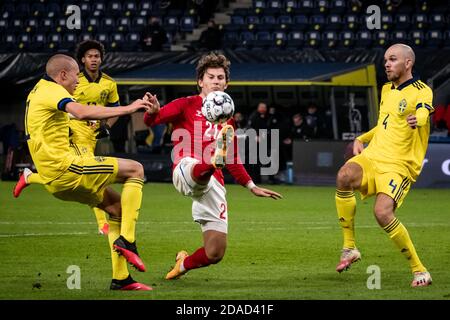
(218, 107)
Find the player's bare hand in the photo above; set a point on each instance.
(358, 147)
(412, 121)
(154, 103)
(139, 104)
(262, 192)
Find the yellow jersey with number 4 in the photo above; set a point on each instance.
(99, 92)
(395, 146)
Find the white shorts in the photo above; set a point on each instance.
(209, 206)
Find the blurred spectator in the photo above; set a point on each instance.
(298, 130)
(276, 121)
(315, 121)
(441, 120)
(154, 36)
(258, 121)
(239, 119)
(211, 38)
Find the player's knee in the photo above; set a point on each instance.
(344, 177)
(383, 214)
(137, 170)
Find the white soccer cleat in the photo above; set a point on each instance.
(224, 140)
(421, 279)
(348, 257)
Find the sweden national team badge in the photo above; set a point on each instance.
(402, 106)
(103, 95)
(99, 159)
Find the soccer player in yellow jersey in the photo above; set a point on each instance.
(95, 88)
(391, 162)
(85, 179)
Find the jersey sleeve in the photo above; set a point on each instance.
(113, 97)
(60, 98)
(169, 113)
(425, 99)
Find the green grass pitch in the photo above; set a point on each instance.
(285, 249)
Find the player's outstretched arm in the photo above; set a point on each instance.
(262, 192)
(81, 112)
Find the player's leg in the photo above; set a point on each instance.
(210, 210)
(26, 178)
(121, 278)
(348, 179)
(102, 222)
(384, 209)
(131, 174)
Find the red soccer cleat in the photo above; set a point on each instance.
(104, 230)
(22, 183)
(129, 284)
(129, 251)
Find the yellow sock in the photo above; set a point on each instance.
(398, 233)
(346, 209)
(34, 178)
(131, 200)
(100, 215)
(119, 263)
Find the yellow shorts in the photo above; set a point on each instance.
(375, 181)
(85, 180)
(84, 150)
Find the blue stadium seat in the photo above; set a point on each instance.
(16, 25)
(22, 10)
(53, 41)
(338, 6)
(123, 24)
(38, 43)
(382, 39)
(334, 22)
(267, 23)
(138, 24)
(437, 21)
(53, 10)
(434, 38)
(313, 39)
(261, 4)
(47, 25)
(61, 24)
(300, 22)
(10, 42)
(295, 40)
(400, 36)
(117, 40)
(114, 8)
(246, 38)
(352, 22)
(387, 21)
(171, 24)
(145, 5)
(187, 24)
(68, 41)
(305, 6)
(419, 21)
(274, 7)
(129, 8)
(103, 38)
(237, 20)
(99, 5)
(231, 39)
(402, 21)
(37, 9)
(252, 19)
(330, 39)
(31, 25)
(290, 6)
(92, 25)
(7, 9)
(346, 39)
(364, 39)
(263, 40)
(132, 42)
(417, 37)
(3, 25)
(322, 7)
(108, 24)
(86, 36)
(23, 41)
(317, 22)
(85, 8)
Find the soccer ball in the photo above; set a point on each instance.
(218, 107)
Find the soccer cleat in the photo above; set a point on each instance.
(22, 183)
(129, 251)
(348, 257)
(128, 284)
(224, 139)
(176, 272)
(104, 230)
(421, 279)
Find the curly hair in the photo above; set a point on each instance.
(213, 60)
(88, 45)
